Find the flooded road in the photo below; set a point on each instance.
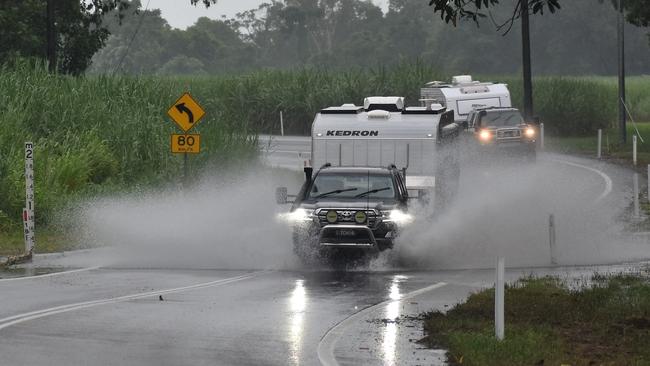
(208, 317)
(107, 309)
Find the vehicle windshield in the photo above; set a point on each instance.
(352, 185)
(501, 119)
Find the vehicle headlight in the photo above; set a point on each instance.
(530, 132)
(399, 217)
(485, 135)
(298, 215)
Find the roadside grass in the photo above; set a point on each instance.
(611, 148)
(603, 321)
(47, 241)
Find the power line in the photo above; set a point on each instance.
(135, 33)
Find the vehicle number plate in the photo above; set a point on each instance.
(346, 232)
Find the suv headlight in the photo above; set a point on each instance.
(397, 216)
(529, 132)
(298, 215)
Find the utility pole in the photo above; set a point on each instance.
(528, 81)
(621, 72)
(50, 36)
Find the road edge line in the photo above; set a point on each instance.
(46, 275)
(327, 343)
(20, 318)
(606, 178)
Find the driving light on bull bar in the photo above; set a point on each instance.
(400, 217)
(332, 216)
(485, 135)
(530, 132)
(360, 217)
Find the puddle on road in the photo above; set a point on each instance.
(29, 271)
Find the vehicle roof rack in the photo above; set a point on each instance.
(344, 109)
(423, 110)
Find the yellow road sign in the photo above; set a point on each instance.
(186, 112)
(190, 144)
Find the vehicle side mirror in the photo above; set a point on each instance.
(281, 195)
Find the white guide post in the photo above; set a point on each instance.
(281, 124)
(551, 237)
(634, 149)
(648, 183)
(636, 195)
(541, 136)
(499, 299)
(28, 212)
(600, 143)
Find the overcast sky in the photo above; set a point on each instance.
(180, 14)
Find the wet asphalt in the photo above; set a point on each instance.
(97, 315)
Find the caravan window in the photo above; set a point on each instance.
(352, 185)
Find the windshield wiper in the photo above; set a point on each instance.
(335, 192)
(371, 192)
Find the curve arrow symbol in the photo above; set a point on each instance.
(183, 109)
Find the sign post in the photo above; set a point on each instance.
(28, 211)
(186, 113)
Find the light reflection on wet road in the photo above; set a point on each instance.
(392, 314)
(297, 307)
(272, 318)
(275, 318)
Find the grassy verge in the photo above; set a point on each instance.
(611, 149)
(604, 322)
(47, 241)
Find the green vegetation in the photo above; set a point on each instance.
(578, 106)
(100, 135)
(606, 321)
(103, 134)
(577, 40)
(48, 241)
(611, 149)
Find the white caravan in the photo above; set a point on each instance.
(383, 132)
(464, 94)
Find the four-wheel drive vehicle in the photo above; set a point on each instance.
(502, 130)
(347, 211)
(350, 206)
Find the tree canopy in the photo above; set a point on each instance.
(120, 36)
(344, 33)
(78, 26)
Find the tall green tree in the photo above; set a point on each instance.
(78, 27)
